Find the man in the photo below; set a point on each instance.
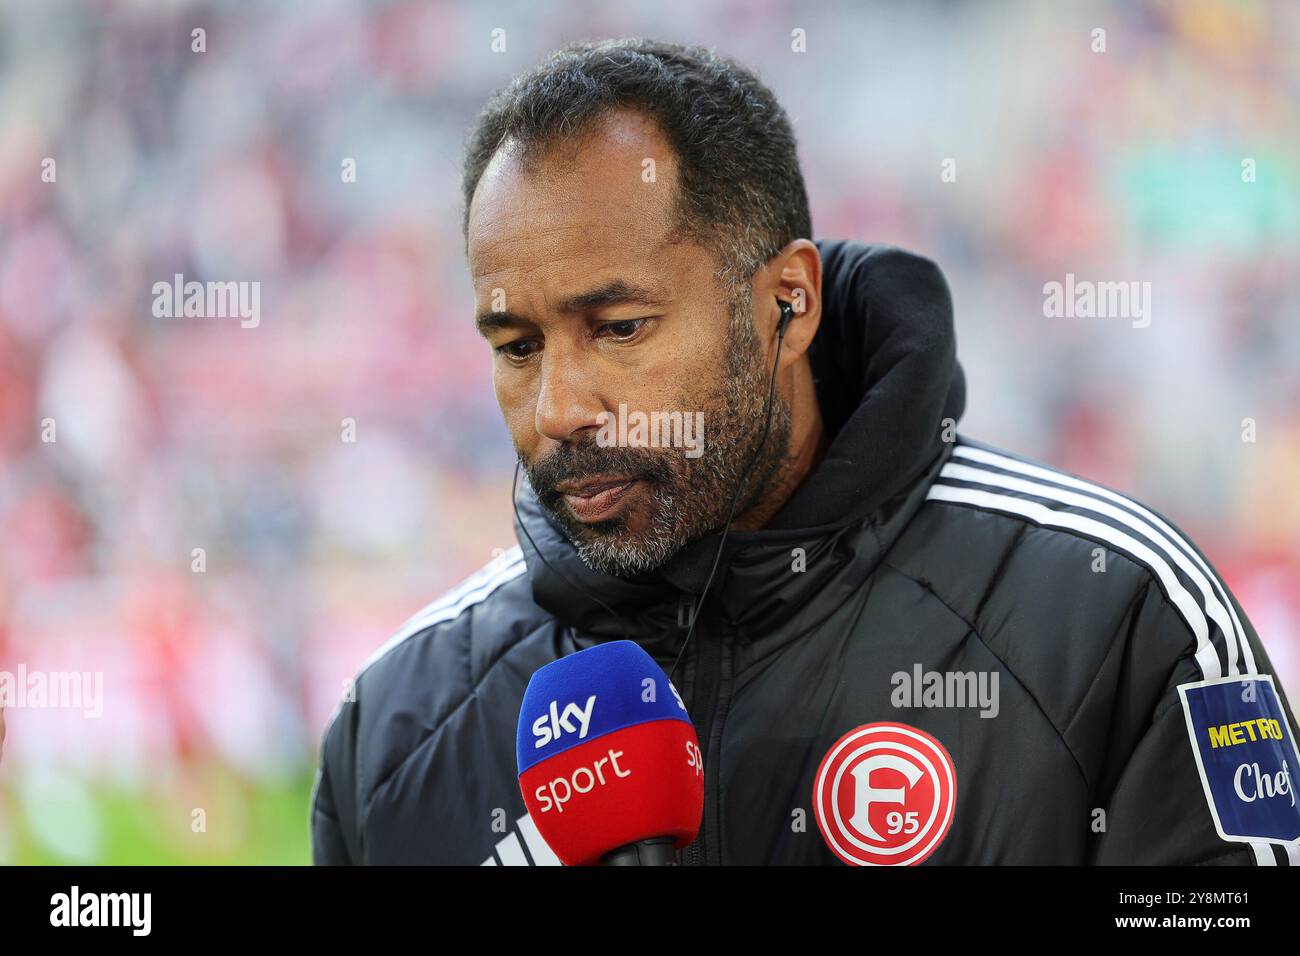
(1034, 649)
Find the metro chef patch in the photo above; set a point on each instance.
(1246, 753)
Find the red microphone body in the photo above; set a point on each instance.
(609, 764)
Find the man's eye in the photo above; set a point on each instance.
(623, 329)
(519, 349)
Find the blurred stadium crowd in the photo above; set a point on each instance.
(221, 665)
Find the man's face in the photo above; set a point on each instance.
(590, 304)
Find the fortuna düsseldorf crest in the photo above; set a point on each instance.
(885, 795)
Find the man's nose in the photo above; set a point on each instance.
(566, 400)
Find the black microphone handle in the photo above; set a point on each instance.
(656, 851)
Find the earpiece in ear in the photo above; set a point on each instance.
(787, 313)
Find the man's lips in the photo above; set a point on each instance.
(595, 499)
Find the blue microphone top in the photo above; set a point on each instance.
(589, 694)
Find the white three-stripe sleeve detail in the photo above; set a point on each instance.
(1207, 656)
(511, 853)
(543, 855)
(1212, 606)
(1263, 854)
(1047, 474)
(490, 570)
(448, 612)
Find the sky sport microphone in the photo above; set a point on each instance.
(609, 765)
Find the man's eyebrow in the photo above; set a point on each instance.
(615, 292)
(488, 322)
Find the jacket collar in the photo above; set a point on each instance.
(887, 377)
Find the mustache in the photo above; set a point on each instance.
(570, 462)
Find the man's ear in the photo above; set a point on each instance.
(793, 275)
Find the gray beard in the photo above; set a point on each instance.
(695, 497)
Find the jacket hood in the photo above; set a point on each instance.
(885, 365)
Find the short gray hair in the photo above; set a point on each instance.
(741, 191)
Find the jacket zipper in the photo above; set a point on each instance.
(710, 696)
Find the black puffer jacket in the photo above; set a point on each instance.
(912, 560)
